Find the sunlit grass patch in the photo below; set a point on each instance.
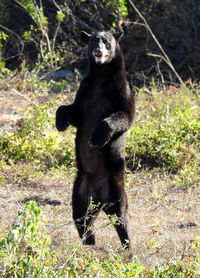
(166, 130)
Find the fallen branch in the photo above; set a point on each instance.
(165, 58)
(25, 97)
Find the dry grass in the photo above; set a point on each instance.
(11, 106)
(159, 211)
(164, 219)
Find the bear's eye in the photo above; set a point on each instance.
(108, 46)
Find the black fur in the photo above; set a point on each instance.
(102, 112)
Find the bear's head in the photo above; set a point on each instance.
(102, 46)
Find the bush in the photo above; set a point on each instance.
(28, 252)
(26, 249)
(167, 134)
(38, 141)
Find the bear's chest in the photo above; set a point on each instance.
(94, 108)
(98, 104)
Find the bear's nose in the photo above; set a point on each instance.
(98, 53)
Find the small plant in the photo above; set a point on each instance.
(39, 34)
(120, 4)
(119, 8)
(3, 69)
(26, 249)
(27, 252)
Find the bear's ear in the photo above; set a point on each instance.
(85, 37)
(118, 35)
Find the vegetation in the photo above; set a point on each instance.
(163, 146)
(28, 252)
(167, 135)
(41, 144)
(47, 32)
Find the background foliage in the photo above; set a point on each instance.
(48, 31)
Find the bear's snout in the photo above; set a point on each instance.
(98, 53)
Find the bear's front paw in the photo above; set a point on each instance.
(62, 118)
(101, 136)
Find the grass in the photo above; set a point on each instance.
(166, 132)
(162, 174)
(28, 251)
(36, 140)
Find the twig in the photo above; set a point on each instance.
(10, 31)
(57, 6)
(166, 58)
(20, 4)
(61, 226)
(25, 97)
(157, 56)
(171, 238)
(161, 75)
(183, 252)
(11, 193)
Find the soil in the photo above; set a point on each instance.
(165, 220)
(11, 109)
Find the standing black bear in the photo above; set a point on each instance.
(103, 111)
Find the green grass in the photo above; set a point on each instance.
(37, 140)
(166, 132)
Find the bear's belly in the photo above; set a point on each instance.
(92, 159)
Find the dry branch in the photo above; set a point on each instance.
(165, 58)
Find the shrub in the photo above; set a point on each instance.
(26, 249)
(38, 141)
(167, 134)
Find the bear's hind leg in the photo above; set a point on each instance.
(84, 212)
(116, 208)
(118, 205)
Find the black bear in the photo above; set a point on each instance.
(102, 112)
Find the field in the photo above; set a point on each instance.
(37, 234)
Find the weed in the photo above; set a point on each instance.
(37, 140)
(3, 70)
(26, 249)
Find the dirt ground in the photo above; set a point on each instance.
(165, 220)
(11, 107)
